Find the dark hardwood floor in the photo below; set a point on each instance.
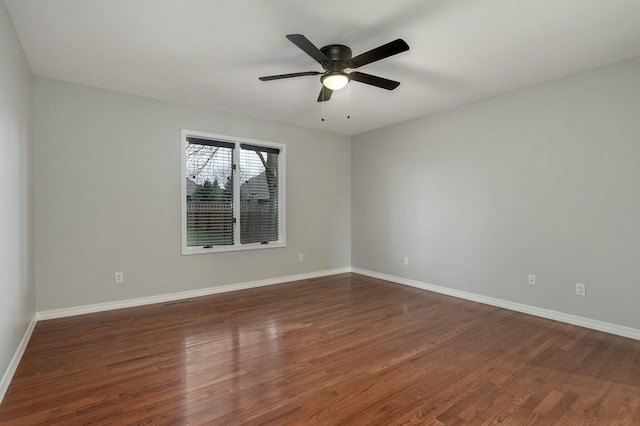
(340, 350)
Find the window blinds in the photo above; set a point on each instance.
(259, 194)
(210, 209)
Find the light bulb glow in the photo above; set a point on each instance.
(335, 81)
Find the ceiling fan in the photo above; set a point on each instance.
(335, 58)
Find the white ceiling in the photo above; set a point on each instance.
(210, 53)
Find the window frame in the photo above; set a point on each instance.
(237, 246)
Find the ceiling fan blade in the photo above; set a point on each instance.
(295, 74)
(373, 80)
(325, 94)
(381, 52)
(309, 48)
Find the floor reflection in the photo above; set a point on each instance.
(221, 362)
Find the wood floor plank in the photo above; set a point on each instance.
(338, 350)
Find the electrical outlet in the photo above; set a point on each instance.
(119, 277)
(301, 257)
(532, 280)
(406, 260)
(581, 289)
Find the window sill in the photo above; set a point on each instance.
(223, 249)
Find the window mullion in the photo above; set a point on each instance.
(236, 195)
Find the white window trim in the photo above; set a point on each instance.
(186, 250)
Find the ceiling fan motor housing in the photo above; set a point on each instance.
(339, 56)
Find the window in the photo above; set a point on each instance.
(232, 193)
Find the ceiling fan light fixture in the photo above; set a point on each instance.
(335, 80)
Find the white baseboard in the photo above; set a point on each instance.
(619, 330)
(616, 329)
(15, 361)
(128, 303)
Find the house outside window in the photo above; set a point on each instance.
(232, 193)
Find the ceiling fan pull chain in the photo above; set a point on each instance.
(322, 105)
(348, 101)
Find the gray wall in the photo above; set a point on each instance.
(108, 198)
(17, 289)
(544, 181)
